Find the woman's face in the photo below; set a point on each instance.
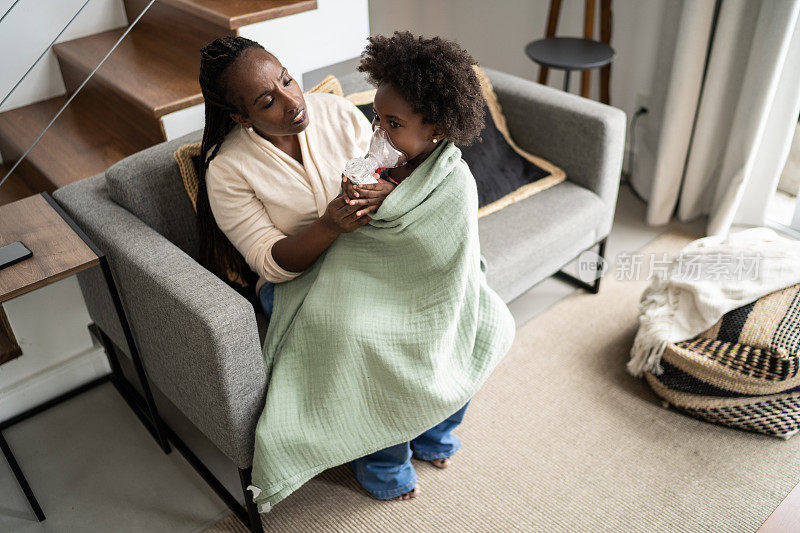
(405, 128)
(268, 98)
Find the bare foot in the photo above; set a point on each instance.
(407, 495)
(441, 463)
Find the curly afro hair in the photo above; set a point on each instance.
(434, 75)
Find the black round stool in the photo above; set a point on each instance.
(569, 53)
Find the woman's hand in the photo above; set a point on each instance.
(341, 217)
(369, 196)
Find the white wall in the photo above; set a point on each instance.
(337, 30)
(58, 354)
(496, 33)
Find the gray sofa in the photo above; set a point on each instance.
(201, 341)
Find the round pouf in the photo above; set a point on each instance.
(743, 371)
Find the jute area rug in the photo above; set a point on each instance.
(561, 438)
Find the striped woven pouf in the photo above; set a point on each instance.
(743, 371)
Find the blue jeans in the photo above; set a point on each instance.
(388, 473)
(267, 296)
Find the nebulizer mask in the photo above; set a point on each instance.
(382, 154)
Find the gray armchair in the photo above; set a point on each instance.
(201, 341)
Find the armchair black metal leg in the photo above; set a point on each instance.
(594, 287)
(253, 516)
(23, 483)
(248, 513)
(161, 437)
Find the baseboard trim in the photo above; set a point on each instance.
(53, 381)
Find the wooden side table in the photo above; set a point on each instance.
(60, 249)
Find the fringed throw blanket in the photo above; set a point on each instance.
(710, 277)
(391, 331)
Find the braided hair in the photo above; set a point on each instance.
(217, 253)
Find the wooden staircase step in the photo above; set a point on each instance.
(155, 73)
(233, 14)
(81, 142)
(163, 19)
(14, 188)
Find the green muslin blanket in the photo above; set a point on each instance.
(387, 334)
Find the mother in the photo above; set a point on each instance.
(270, 196)
(271, 193)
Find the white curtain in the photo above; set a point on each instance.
(717, 146)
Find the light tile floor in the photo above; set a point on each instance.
(94, 467)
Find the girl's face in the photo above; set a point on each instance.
(405, 127)
(271, 100)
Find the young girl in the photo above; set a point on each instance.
(376, 350)
(427, 94)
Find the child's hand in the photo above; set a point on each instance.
(370, 196)
(348, 187)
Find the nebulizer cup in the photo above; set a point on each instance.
(382, 154)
